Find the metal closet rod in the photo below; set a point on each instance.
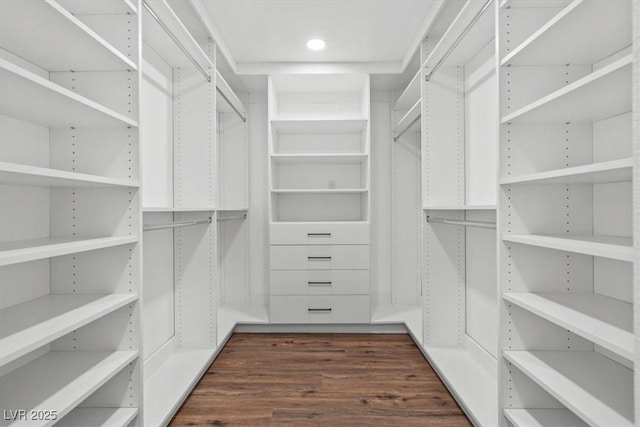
(151, 227)
(238, 112)
(397, 137)
(229, 218)
(477, 224)
(176, 41)
(458, 40)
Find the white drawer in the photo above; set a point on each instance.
(319, 282)
(324, 257)
(320, 309)
(319, 234)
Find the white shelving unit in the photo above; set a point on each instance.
(566, 249)
(458, 160)
(69, 213)
(319, 182)
(195, 170)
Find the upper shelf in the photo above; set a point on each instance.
(596, 173)
(46, 34)
(320, 126)
(162, 43)
(602, 398)
(227, 101)
(323, 158)
(102, 7)
(605, 321)
(409, 120)
(601, 94)
(459, 207)
(29, 325)
(17, 174)
(27, 96)
(411, 93)
(614, 247)
(584, 32)
(464, 38)
(319, 191)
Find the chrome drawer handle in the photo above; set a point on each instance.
(319, 310)
(318, 234)
(319, 283)
(319, 258)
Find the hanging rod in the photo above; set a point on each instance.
(478, 224)
(229, 218)
(238, 112)
(184, 50)
(397, 137)
(458, 40)
(151, 227)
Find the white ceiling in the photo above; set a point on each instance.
(264, 32)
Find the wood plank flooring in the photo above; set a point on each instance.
(320, 380)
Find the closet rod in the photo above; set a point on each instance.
(478, 224)
(397, 137)
(151, 227)
(238, 112)
(229, 218)
(458, 40)
(176, 41)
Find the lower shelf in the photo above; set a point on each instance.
(99, 417)
(594, 387)
(470, 383)
(543, 418)
(410, 315)
(169, 386)
(230, 315)
(77, 375)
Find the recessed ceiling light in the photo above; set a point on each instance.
(316, 44)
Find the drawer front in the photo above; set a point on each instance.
(325, 257)
(320, 309)
(319, 282)
(319, 234)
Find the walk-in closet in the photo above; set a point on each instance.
(308, 212)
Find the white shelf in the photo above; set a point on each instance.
(27, 326)
(605, 321)
(102, 7)
(596, 173)
(169, 386)
(468, 380)
(77, 375)
(473, 41)
(321, 191)
(31, 250)
(99, 417)
(29, 97)
(319, 126)
(459, 208)
(410, 315)
(181, 209)
(320, 158)
(601, 94)
(157, 38)
(409, 120)
(543, 418)
(411, 93)
(584, 32)
(614, 247)
(46, 34)
(594, 387)
(225, 91)
(17, 174)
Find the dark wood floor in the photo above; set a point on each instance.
(320, 379)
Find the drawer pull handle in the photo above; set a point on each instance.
(318, 234)
(319, 310)
(314, 258)
(319, 283)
